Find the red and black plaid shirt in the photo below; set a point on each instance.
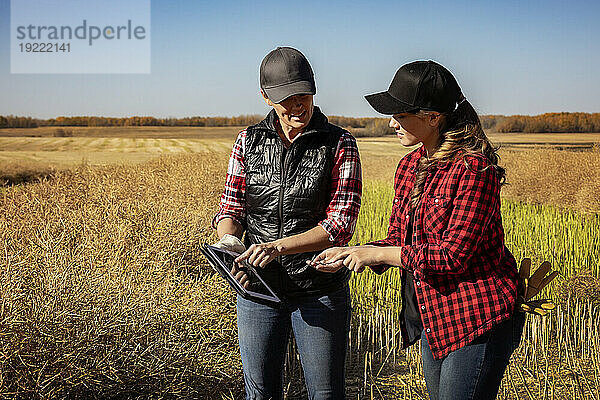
(465, 277)
(346, 190)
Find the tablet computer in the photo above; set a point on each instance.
(222, 261)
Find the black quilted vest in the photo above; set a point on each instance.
(287, 193)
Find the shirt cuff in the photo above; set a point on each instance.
(333, 231)
(220, 216)
(380, 269)
(412, 260)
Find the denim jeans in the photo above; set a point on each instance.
(320, 325)
(475, 370)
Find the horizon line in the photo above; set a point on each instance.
(259, 114)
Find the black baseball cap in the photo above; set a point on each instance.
(285, 72)
(419, 85)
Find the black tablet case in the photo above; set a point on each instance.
(222, 262)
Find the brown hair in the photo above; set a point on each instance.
(461, 134)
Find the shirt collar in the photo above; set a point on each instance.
(318, 122)
(421, 152)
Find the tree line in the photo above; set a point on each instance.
(549, 122)
(544, 123)
(363, 126)
(12, 121)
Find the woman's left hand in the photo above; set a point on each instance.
(354, 258)
(259, 255)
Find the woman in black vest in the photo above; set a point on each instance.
(293, 187)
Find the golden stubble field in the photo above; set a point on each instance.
(103, 292)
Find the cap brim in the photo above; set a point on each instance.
(384, 103)
(280, 93)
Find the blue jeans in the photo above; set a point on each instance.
(475, 370)
(320, 326)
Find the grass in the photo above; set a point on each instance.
(559, 354)
(570, 180)
(567, 179)
(103, 292)
(24, 171)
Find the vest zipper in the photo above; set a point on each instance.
(284, 153)
(281, 189)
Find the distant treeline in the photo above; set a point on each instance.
(12, 121)
(361, 126)
(550, 122)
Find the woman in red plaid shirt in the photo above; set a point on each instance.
(459, 281)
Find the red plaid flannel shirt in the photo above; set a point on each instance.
(465, 277)
(346, 190)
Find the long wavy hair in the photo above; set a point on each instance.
(461, 134)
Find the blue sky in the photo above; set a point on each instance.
(510, 57)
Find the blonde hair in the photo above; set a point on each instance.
(461, 134)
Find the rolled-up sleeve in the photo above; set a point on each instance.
(346, 192)
(233, 199)
(389, 241)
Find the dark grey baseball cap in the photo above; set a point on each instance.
(285, 72)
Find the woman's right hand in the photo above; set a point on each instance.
(330, 260)
(354, 258)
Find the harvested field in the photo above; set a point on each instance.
(104, 294)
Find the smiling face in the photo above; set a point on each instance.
(294, 112)
(413, 129)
